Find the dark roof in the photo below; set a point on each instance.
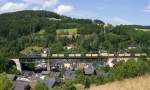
(89, 69)
(28, 73)
(20, 85)
(54, 74)
(50, 83)
(45, 72)
(69, 74)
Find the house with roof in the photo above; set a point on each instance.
(89, 69)
(50, 83)
(20, 85)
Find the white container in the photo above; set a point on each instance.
(54, 55)
(104, 54)
(94, 55)
(78, 55)
(121, 54)
(61, 55)
(44, 55)
(137, 54)
(127, 54)
(88, 55)
(111, 55)
(71, 55)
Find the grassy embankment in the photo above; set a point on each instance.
(139, 83)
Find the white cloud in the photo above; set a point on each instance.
(27, 4)
(35, 5)
(63, 9)
(36, 8)
(44, 4)
(11, 7)
(147, 8)
(51, 2)
(118, 20)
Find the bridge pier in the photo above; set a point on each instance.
(18, 64)
(48, 65)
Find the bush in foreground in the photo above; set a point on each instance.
(129, 69)
(5, 83)
(40, 86)
(87, 83)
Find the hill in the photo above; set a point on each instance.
(138, 26)
(139, 83)
(25, 29)
(17, 24)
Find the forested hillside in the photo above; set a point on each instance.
(139, 26)
(17, 29)
(23, 29)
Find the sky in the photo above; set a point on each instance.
(110, 11)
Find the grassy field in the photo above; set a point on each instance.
(145, 30)
(32, 49)
(68, 31)
(139, 83)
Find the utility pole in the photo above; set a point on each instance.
(99, 52)
(105, 31)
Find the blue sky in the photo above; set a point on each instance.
(111, 11)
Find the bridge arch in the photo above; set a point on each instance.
(18, 64)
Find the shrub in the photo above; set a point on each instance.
(5, 83)
(79, 76)
(72, 87)
(40, 86)
(128, 69)
(27, 87)
(69, 85)
(87, 83)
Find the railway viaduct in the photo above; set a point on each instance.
(109, 60)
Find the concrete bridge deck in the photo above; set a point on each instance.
(82, 57)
